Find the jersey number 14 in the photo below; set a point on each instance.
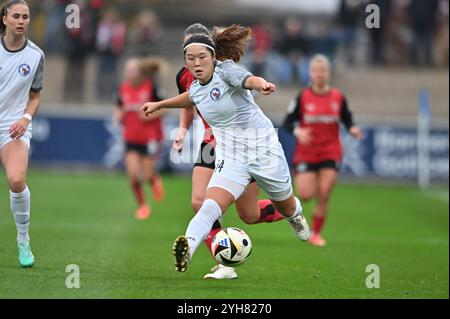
(219, 166)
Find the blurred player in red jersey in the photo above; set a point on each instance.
(142, 135)
(250, 210)
(313, 117)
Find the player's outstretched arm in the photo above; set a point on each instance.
(186, 119)
(177, 102)
(260, 84)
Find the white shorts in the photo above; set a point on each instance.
(271, 173)
(5, 138)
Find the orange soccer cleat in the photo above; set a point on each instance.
(143, 212)
(317, 240)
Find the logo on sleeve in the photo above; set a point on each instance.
(24, 69)
(215, 94)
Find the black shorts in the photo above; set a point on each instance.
(303, 167)
(207, 157)
(152, 148)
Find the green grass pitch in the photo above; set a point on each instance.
(87, 219)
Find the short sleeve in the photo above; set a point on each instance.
(233, 74)
(190, 96)
(36, 86)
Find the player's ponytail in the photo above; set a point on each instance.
(230, 43)
(4, 11)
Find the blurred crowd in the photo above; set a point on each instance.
(412, 33)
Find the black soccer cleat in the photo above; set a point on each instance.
(181, 253)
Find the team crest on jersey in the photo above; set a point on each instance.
(24, 69)
(215, 94)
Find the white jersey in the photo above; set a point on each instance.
(21, 71)
(241, 129)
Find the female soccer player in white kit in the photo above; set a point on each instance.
(249, 208)
(247, 143)
(21, 73)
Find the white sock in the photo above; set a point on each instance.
(20, 207)
(298, 209)
(201, 224)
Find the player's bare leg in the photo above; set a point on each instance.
(14, 158)
(254, 211)
(217, 200)
(306, 184)
(133, 166)
(200, 179)
(151, 177)
(327, 179)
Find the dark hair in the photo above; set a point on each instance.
(200, 38)
(196, 28)
(4, 11)
(229, 43)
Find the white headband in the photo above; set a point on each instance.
(199, 43)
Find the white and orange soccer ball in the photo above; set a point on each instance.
(231, 246)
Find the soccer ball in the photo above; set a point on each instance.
(231, 246)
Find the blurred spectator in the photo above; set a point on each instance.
(38, 27)
(323, 41)
(423, 18)
(111, 34)
(145, 34)
(398, 35)
(442, 36)
(55, 39)
(294, 49)
(96, 7)
(259, 49)
(79, 45)
(377, 48)
(349, 17)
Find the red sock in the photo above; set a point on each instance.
(214, 230)
(137, 190)
(268, 212)
(317, 223)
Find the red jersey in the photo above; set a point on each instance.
(137, 129)
(184, 80)
(322, 115)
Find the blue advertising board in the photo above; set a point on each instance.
(384, 151)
